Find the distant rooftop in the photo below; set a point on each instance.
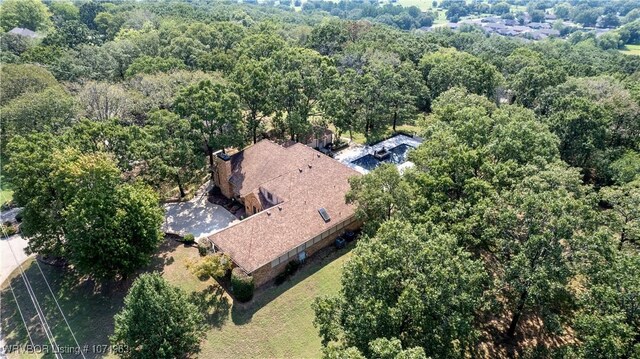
(23, 32)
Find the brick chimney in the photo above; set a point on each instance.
(222, 173)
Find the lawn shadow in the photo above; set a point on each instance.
(164, 256)
(214, 304)
(89, 305)
(88, 308)
(242, 313)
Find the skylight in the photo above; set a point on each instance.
(324, 214)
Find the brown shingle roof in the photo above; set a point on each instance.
(306, 180)
(262, 162)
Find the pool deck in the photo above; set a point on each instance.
(354, 152)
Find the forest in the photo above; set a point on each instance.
(516, 233)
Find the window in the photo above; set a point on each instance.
(283, 258)
(269, 197)
(275, 262)
(255, 210)
(293, 252)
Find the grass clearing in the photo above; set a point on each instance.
(6, 193)
(276, 323)
(631, 50)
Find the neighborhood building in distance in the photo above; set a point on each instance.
(294, 198)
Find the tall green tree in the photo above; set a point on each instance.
(533, 227)
(409, 282)
(253, 81)
(624, 219)
(172, 153)
(29, 14)
(449, 68)
(214, 113)
(302, 76)
(379, 196)
(74, 203)
(157, 321)
(121, 219)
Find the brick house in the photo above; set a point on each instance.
(294, 200)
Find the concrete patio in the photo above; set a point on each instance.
(198, 217)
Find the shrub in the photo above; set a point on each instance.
(189, 239)
(202, 250)
(242, 285)
(8, 229)
(213, 266)
(292, 267)
(289, 270)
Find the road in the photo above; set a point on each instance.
(7, 261)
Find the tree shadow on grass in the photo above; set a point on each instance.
(164, 256)
(89, 305)
(214, 304)
(242, 313)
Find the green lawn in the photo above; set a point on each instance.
(6, 193)
(631, 50)
(360, 139)
(276, 323)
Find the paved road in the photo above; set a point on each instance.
(7, 261)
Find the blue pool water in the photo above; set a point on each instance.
(398, 156)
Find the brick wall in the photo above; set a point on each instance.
(222, 173)
(268, 272)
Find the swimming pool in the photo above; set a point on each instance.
(398, 156)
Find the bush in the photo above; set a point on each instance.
(202, 250)
(292, 267)
(289, 270)
(242, 285)
(8, 229)
(189, 239)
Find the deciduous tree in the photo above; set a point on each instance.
(157, 321)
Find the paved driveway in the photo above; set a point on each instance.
(7, 261)
(198, 217)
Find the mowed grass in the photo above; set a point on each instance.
(278, 322)
(631, 50)
(6, 193)
(359, 137)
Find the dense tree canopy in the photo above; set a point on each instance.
(157, 321)
(514, 233)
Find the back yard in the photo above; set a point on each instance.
(276, 323)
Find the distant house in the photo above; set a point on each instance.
(550, 17)
(510, 22)
(550, 32)
(491, 19)
(536, 35)
(294, 199)
(493, 26)
(23, 32)
(319, 138)
(539, 25)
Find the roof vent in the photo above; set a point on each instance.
(280, 208)
(300, 169)
(310, 165)
(268, 213)
(325, 216)
(318, 155)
